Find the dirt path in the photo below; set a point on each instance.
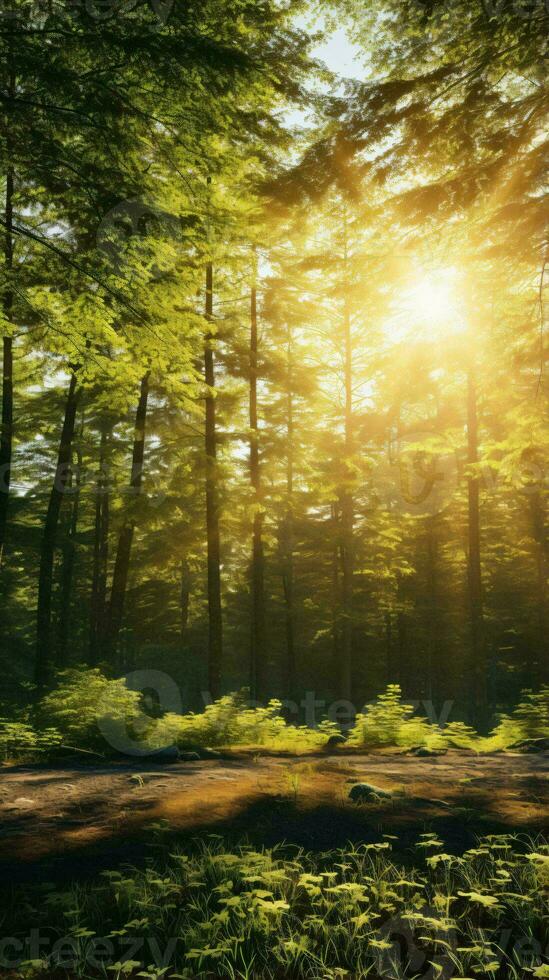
(85, 817)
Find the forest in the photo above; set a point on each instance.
(274, 450)
(273, 408)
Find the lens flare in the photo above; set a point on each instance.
(427, 309)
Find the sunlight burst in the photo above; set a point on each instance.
(428, 309)
(431, 299)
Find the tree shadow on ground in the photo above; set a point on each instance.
(266, 821)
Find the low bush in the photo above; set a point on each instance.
(19, 740)
(458, 735)
(81, 698)
(74, 714)
(230, 721)
(530, 719)
(390, 722)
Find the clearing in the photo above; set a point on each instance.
(70, 821)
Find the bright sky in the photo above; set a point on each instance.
(338, 53)
(342, 56)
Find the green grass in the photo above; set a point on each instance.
(284, 913)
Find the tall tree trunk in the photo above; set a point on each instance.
(215, 621)
(400, 646)
(44, 650)
(336, 592)
(258, 679)
(288, 536)
(98, 603)
(6, 431)
(433, 633)
(478, 655)
(541, 556)
(389, 642)
(347, 520)
(125, 540)
(185, 595)
(68, 565)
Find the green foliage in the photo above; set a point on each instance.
(532, 714)
(124, 192)
(286, 913)
(388, 721)
(20, 740)
(71, 712)
(530, 719)
(229, 721)
(458, 735)
(81, 698)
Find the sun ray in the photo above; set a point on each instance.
(428, 308)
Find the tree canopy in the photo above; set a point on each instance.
(274, 398)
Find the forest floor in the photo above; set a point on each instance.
(69, 821)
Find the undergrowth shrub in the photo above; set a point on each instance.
(530, 719)
(458, 735)
(72, 713)
(389, 721)
(230, 721)
(81, 698)
(85, 697)
(19, 740)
